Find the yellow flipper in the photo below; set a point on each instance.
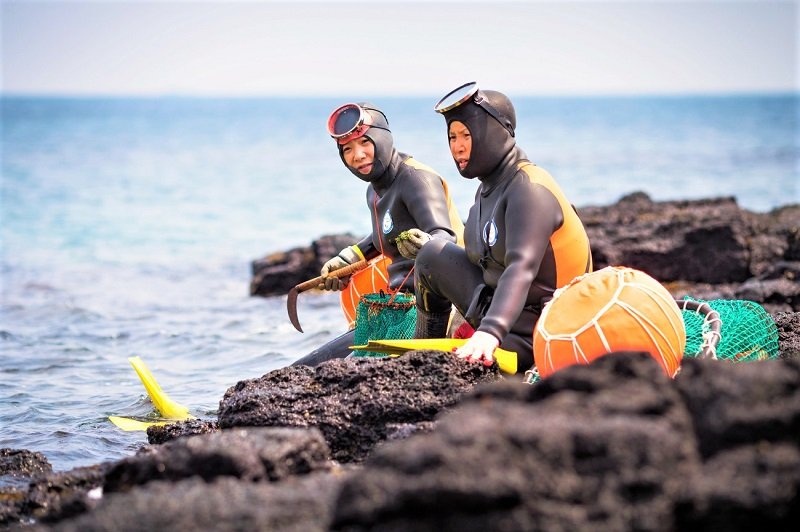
(130, 424)
(168, 408)
(507, 360)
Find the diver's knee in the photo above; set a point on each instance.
(429, 254)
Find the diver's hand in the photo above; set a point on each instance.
(412, 242)
(345, 257)
(479, 348)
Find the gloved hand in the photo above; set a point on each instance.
(479, 348)
(410, 242)
(345, 257)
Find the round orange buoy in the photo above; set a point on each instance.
(613, 309)
(370, 280)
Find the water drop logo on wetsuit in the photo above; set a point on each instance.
(388, 224)
(490, 233)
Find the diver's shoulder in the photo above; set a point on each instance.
(416, 168)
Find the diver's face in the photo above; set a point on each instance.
(359, 154)
(460, 143)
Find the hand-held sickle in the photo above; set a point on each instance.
(291, 300)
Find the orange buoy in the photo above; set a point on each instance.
(613, 309)
(370, 280)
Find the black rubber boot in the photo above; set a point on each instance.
(336, 348)
(431, 324)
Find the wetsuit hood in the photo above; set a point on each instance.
(381, 137)
(491, 142)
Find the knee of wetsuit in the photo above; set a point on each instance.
(428, 255)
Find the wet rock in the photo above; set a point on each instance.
(23, 463)
(353, 401)
(17, 466)
(297, 504)
(158, 434)
(250, 454)
(51, 496)
(277, 273)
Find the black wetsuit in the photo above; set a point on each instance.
(407, 195)
(522, 241)
(404, 194)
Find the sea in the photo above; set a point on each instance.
(128, 227)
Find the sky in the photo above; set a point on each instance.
(266, 48)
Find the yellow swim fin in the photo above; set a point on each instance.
(129, 424)
(507, 360)
(166, 407)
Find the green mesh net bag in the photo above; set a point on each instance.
(746, 333)
(384, 317)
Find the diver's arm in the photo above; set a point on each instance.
(532, 215)
(424, 198)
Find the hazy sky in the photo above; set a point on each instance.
(387, 48)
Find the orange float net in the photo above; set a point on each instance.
(370, 280)
(613, 309)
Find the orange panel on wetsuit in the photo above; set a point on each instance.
(569, 237)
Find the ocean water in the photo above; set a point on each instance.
(127, 227)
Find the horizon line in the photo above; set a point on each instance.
(283, 95)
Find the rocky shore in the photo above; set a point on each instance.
(426, 442)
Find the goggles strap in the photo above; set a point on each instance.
(479, 99)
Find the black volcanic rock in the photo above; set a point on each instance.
(251, 454)
(276, 273)
(356, 403)
(614, 445)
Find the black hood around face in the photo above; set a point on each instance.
(490, 140)
(381, 137)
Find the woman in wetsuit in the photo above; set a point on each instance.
(523, 239)
(403, 195)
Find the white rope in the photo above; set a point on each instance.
(647, 325)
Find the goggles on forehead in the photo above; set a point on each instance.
(471, 92)
(348, 122)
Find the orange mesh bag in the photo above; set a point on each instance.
(371, 280)
(613, 309)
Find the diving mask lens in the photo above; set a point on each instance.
(456, 97)
(348, 122)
